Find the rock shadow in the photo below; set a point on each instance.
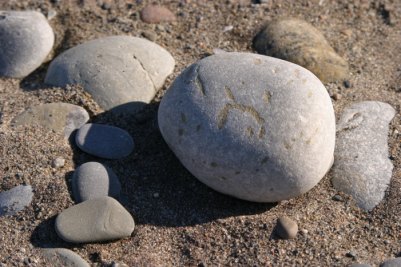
(156, 188)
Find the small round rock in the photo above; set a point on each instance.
(15, 199)
(93, 180)
(63, 257)
(58, 162)
(286, 228)
(156, 14)
(104, 141)
(26, 40)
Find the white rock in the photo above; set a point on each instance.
(26, 39)
(250, 126)
(115, 70)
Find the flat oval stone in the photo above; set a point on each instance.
(63, 118)
(95, 220)
(250, 126)
(156, 14)
(299, 42)
(286, 228)
(115, 70)
(93, 180)
(15, 199)
(62, 257)
(26, 39)
(104, 141)
(362, 167)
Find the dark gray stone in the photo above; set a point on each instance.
(254, 127)
(362, 167)
(61, 257)
(26, 39)
(15, 199)
(104, 141)
(286, 228)
(93, 180)
(299, 42)
(392, 263)
(115, 70)
(96, 220)
(360, 265)
(62, 118)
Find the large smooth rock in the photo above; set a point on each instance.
(362, 167)
(104, 141)
(96, 220)
(299, 42)
(63, 118)
(26, 39)
(93, 180)
(254, 127)
(15, 199)
(115, 70)
(392, 263)
(61, 257)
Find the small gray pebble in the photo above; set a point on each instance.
(58, 162)
(93, 180)
(337, 198)
(104, 141)
(61, 257)
(286, 228)
(15, 199)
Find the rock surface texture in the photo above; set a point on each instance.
(63, 118)
(61, 257)
(96, 220)
(15, 199)
(254, 127)
(116, 70)
(362, 167)
(26, 39)
(299, 42)
(104, 141)
(93, 180)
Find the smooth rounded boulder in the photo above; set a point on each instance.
(299, 42)
(96, 220)
(118, 71)
(62, 257)
(250, 126)
(26, 39)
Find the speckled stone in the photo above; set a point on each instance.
(15, 199)
(362, 167)
(26, 39)
(251, 126)
(104, 141)
(63, 118)
(96, 220)
(299, 42)
(93, 180)
(286, 228)
(61, 257)
(117, 71)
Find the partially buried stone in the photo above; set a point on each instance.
(61, 257)
(96, 220)
(299, 42)
(104, 141)
(392, 263)
(63, 118)
(362, 167)
(15, 199)
(156, 14)
(286, 228)
(122, 73)
(250, 126)
(93, 180)
(26, 39)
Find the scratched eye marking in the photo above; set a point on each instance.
(198, 82)
(233, 105)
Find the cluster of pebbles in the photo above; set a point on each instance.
(255, 127)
